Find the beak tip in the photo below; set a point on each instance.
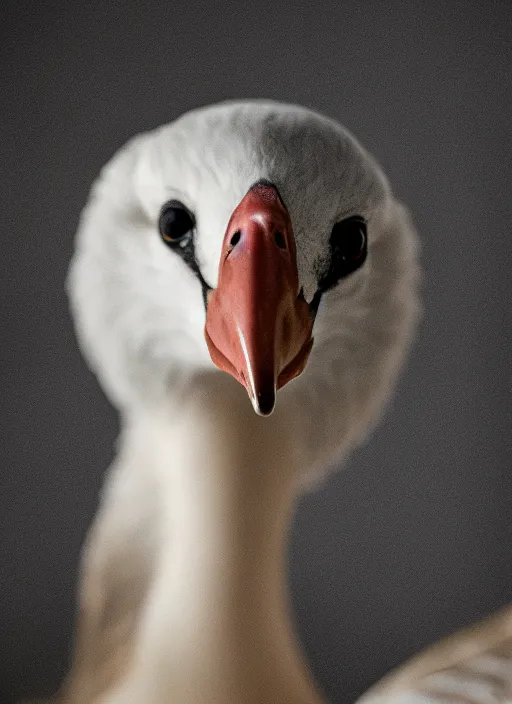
(264, 403)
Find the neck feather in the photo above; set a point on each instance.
(217, 626)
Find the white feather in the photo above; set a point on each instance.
(139, 316)
(139, 311)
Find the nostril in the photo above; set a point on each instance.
(280, 240)
(235, 239)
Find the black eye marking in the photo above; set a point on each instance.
(348, 245)
(176, 225)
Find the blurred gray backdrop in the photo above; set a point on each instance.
(413, 538)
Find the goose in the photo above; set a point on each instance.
(245, 287)
(259, 239)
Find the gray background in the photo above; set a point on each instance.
(413, 538)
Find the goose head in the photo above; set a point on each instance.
(258, 238)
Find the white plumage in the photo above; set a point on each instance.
(139, 310)
(183, 594)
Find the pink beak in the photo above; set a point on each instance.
(258, 328)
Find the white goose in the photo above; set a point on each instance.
(262, 239)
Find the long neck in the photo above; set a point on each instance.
(217, 627)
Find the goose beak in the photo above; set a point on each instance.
(258, 326)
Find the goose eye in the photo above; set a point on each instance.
(348, 244)
(176, 223)
(349, 238)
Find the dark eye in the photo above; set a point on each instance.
(176, 223)
(348, 245)
(349, 238)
